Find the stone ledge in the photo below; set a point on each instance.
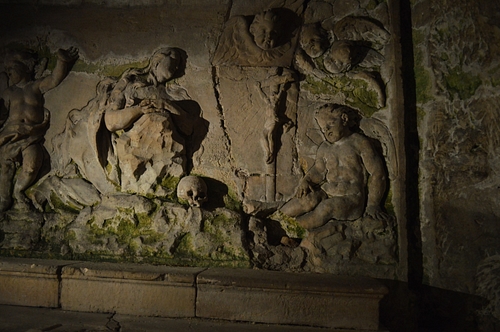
(285, 298)
(30, 282)
(322, 300)
(129, 289)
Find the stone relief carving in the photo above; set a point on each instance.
(338, 201)
(262, 40)
(351, 50)
(135, 131)
(255, 55)
(337, 185)
(23, 129)
(302, 106)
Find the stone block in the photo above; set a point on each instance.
(30, 282)
(130, 289)
(285, 298)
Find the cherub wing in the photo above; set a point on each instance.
(376, 129)
(360, 28)
(233, 35)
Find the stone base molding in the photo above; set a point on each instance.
(323, 300)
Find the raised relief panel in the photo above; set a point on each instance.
(307, 98)
(316, 142)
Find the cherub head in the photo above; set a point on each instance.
(342, 57)
(265, 29)
(163, 65)
(336, 121)
(20, 66)
(313, 40)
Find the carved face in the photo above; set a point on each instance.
(333, 124)
(164, 65)
(193, 190)
(340, 59)
(17, 72)
(19, 66)
(313, 41)
(265, 30)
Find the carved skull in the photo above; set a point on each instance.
(193, 190)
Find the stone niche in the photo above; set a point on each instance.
(245, 134)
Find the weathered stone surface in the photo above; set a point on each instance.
(129, 289)
(30, 282)
(277, 297)
(456, 69)
(227, 92)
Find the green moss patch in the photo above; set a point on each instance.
(461, 83)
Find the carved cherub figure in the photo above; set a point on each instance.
(261, 40)
(348, 178)
(314, 40)
(23, 130)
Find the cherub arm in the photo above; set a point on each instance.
(314, 177)
(376, 181)
(64, 60)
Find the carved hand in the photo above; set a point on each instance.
(69, 55)
(376, 213)
(151, 105)
(303, 189)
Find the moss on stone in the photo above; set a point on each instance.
(420, 115)
(169, 183)
(494, 76)
(356, 92)
(290, 225)
(232, 202)
(106, 69)
(389, 207)
(461, 83)
(185, 246)
(127, 228)
(422, 78)
(58, 204)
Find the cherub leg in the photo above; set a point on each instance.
(347, 207)
(32, 162)
(300, 205)
(319, 215)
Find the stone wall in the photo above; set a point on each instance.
(456, 73)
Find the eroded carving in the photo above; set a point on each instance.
(347, 180)
(347, 173)
(351, 51)
(133, 135)
(255, 55)
(23, 130)
(261, 40)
